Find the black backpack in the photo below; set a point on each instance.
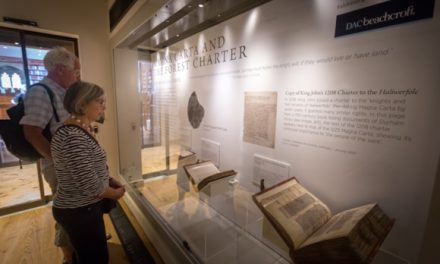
(12, 132)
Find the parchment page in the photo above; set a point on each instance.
(339, 225)
(298, 212)
(260, 111)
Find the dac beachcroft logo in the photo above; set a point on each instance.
(384, 14)
(410, 11)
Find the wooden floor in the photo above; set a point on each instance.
(153, 158)
(27, 237)
(20, 185)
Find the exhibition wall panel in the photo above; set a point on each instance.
(354, 117)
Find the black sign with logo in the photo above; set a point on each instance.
(385, 14)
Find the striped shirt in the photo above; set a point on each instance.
(80, 165)
(38, 109)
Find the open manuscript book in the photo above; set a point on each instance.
(205, 172)
(313, 235)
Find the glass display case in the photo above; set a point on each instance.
(217, 223)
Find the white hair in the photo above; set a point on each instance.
(59, 55)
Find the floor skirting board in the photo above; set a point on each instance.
(132, 243)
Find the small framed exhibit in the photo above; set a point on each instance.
(211, 151)
(268, 172)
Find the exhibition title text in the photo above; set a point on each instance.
(210, 52)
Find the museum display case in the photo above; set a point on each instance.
(217, 224)
(319, 106)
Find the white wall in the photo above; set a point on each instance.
(88, 20)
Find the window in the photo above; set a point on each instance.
(21, 64)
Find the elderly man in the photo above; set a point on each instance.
(63, 69)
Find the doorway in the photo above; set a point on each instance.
(21, 64)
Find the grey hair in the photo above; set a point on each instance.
(79, 94)
(59, 55)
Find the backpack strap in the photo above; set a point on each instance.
(50, 93)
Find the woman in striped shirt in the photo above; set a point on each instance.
(83, 179)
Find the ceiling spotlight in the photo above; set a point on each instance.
(201, 5)
(16, 43)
